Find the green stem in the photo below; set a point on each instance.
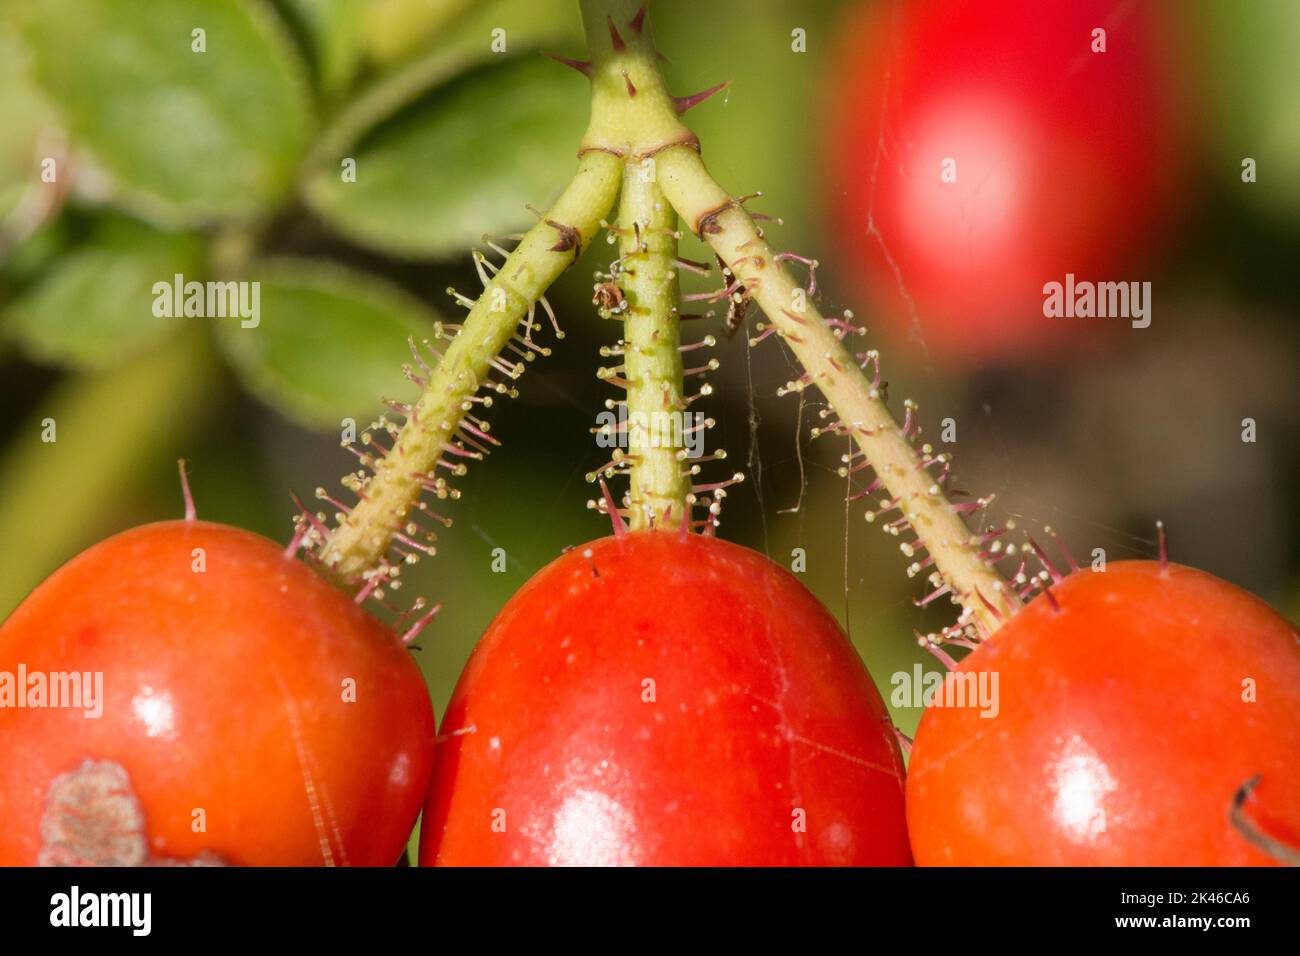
(359, 542)
(652, 358)
(635, 125)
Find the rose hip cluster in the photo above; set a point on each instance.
(661, 696)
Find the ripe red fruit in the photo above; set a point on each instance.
(1128, 720)
(227, 733)
(993, 151)
(661, 700)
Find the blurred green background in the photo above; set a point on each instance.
(228, 165)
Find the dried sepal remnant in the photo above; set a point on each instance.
(93, 818)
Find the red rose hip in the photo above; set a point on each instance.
(1131, 713)
(251, 713)
(659, 699)
(981, 149)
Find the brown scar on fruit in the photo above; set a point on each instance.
(1279, 850)
(93, 818)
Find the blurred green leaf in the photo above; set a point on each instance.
(397, 30)
(465, 37)
(22, 117)
(1252, 86)
(61, 496)
(93, 306)
(331, 31)
(463, 161)
(187, 135)
(394, 29)
(329, 343)
(26, 258)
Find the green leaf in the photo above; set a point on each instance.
(187, 135)
(396, 30)
(462, 161)
(330, 31)
(22, 118)
(329, 344)
(93, 306)
(1251, 50)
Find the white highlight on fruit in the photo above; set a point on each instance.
(1081, 780)
(155, 711)
(592, 829)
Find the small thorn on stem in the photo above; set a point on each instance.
(615, 38)
(812, 265)
(582, 66)
(940, 654)
(684, 103)
(637, 23)
(1045, 560)
(301, 527)
(190, 513)
(311, 518)
(616, 519)
(997, 615)
(1069, 557)
(418, 626)
(372, 583)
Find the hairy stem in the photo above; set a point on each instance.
(721, 221)
(652, 360)
(363, 536)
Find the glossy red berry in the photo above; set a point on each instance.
(665, 700)
(980, 149)
(1130, 715)
(251, 713)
